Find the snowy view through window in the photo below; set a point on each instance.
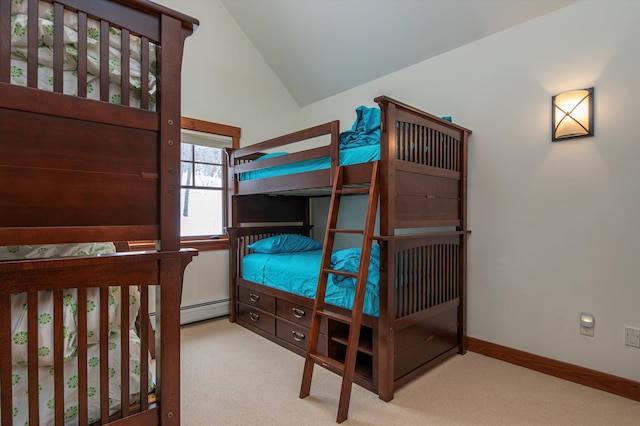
(202, 191)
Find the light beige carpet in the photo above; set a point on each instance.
(231, 376)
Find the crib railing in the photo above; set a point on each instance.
(83, 354)
(60, 46)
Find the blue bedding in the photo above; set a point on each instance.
(356, 155)
(298, 273)
(361, 144)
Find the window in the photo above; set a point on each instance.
(203, 184)
(202, 191)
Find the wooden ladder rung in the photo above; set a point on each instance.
(326, 361)
(346, 231)
(343, 273)
(335, 316)
(346, 191)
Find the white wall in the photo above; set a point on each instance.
(553, 224)
(554, 229)
(225, 80)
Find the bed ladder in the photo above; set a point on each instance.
(346, 368)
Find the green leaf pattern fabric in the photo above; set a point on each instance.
(71, 310)
(71, 384)
(19, 45)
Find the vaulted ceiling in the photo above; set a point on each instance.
(319, 48)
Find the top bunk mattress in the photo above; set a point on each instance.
(360, 144)
(350, 156)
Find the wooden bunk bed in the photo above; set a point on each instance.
(89, 156)
(422, 239)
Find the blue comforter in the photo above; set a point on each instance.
(361, 144)
(298, 273)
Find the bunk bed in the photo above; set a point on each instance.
(417, 315)
(89, 158)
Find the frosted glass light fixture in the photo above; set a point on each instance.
(572, 114)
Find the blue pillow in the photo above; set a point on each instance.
(285, 243)
(349, 260)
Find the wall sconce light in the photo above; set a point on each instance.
(572, 114)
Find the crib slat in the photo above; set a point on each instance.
(83, 404)
(82, 54)
(144, 346)
(58, 46)
(58, 362)
(124, 352)
(144, 73)
(104, 61)
(32, 43)
(5, 42)
(104, 354)
(6, 397)
(32, 356)
(125, 65)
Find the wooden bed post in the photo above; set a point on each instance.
(385, 330)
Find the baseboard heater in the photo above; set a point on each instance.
(200, 311)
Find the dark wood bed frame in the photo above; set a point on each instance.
(77, 170)
(423, 274)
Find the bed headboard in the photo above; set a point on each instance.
(90, 155)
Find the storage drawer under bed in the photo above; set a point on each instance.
(257, 299)
(419, 343)
(257, 318)
(298, 336)
(294, 312)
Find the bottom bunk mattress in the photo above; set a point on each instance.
(298, 272)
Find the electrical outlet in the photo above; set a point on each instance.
(632, 336)
(586, 331)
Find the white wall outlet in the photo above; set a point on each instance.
(586, 331)
(632, 336)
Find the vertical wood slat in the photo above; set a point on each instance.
(32, 44)
(125, 66)
(104, 354)
(144, 73)
(83, 386)
(58, 47)
(32, 356)
(144, 346)
(5, 42)
(6, 396)
(104, 61)
(82, 54)
(124, 352)
(58, 355)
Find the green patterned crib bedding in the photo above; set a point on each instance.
(71, 310)
(19, 40)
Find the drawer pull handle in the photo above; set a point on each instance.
(298, 337)
(254, 317)
(298, 313)
(254, 297)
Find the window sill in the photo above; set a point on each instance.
(202, 244)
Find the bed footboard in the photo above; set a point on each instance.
(424, 311)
